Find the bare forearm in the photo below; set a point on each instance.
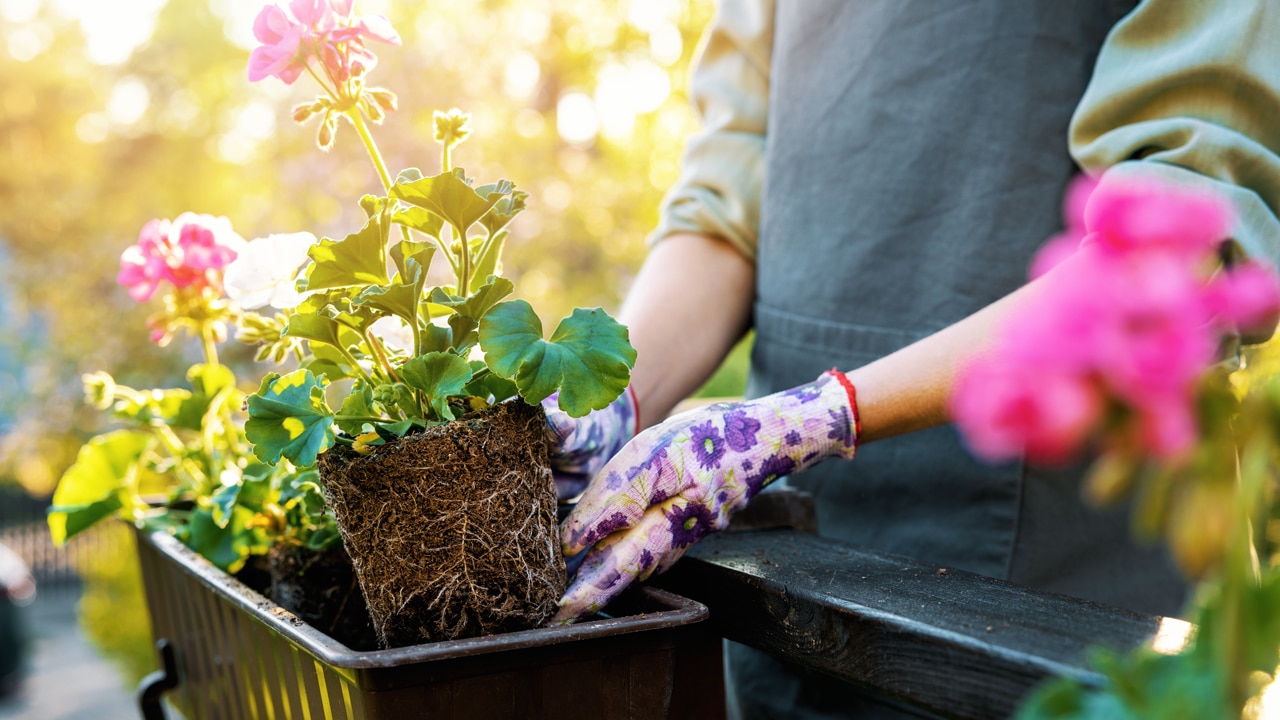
(909, 389)
(689, 305)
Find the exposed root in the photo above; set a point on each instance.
(453, 531)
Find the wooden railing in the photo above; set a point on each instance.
(952, 643)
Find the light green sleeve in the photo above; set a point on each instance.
(722, 171)
(1189, 91)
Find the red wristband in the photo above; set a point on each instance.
(852, 392)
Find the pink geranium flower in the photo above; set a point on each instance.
(1156, 215)
(1008, 410)
(1246, 296)
(1125, 313)
(326, 32)
(190, 252)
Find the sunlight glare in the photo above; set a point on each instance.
(615, 101)
(520, 79)
(28, 41)
(665, 44)
(250, 125)
(128, 102)
(647, 15)
(19, 11)
(112, 30)
(576, 118)
(1172, 636)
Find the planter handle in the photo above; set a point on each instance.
(155, 684)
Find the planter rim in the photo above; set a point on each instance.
(680, 611)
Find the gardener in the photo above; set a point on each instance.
(870, 183)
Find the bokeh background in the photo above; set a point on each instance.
(114, 112)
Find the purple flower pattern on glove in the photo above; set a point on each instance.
(581, 446)
(708, 446)
(685, 477)
(740, 431)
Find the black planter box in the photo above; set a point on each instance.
(236, 654)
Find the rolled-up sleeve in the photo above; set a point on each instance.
(722, 170)
(1189, 91)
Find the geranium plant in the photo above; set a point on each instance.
(435, 460)
(181, 462)
(465, 345)
(1122, 351)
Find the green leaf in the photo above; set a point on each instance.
(488, 385)
(228, 545)
(449, 196)
(207, 382)
(249, 493)
(479, 302)
(419, 252)
(487, 259)
(91, 488)
(359, 259)
(324, 538)
(435, 339)
(408, 175)
(504, 211)
(588, 358)
(288, 417)
(358, 403)
(150, 407)
(464, 333)
(420, 219)
(439, 375)
(326, 361)
(331, 326)
(396, 299)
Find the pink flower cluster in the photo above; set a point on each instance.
(1128, 312)
(189, 252)
(326, 32)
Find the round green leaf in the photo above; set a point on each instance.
(588, 358)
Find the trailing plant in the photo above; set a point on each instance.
(415, 353)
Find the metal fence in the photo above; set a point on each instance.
(57, 570)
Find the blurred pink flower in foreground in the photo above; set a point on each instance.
(189, 252)
(326, 31)
(1127, 312)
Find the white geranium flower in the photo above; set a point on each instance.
(266, 270)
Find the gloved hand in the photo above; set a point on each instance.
(581, 446)
(682, 479)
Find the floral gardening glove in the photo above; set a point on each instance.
(678, 481)
(581, 446)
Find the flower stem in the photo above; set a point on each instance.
(362, 129)
(210, 345)
(370, 146)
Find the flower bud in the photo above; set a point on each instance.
(99, 390)
(452, 127)
(303, 112)
(328, 128)
(385, 99)
(372, 109)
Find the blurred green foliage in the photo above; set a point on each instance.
(113, 608)
(582, 103)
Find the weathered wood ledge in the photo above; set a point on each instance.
(953, 643)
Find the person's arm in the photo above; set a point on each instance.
(1187, 91)
(692, 299)
(689, 305)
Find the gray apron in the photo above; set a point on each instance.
(916, 158)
